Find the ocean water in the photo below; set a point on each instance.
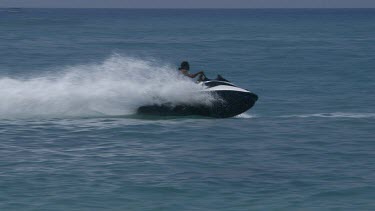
(71, 80)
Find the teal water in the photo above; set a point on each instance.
(71, 79)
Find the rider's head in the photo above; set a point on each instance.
(184, 66)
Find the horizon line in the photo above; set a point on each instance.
(187, 8)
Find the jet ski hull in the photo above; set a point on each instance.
(228, 104)
(229, 100)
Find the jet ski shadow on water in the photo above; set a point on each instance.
(230, 101)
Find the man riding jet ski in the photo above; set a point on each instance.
(184, 69)
(230, 100)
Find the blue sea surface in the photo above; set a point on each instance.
(70, 80)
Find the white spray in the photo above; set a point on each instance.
(118, 86)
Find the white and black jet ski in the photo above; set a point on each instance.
(230, 101)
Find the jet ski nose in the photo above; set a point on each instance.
(253, 97)
(249, 100)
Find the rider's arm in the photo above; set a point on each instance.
(195, 75)
(186, 73)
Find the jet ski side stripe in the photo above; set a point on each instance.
(226, 88)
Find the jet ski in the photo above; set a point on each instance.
(230, 101)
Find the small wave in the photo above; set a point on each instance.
(334, 115)
(245, 116)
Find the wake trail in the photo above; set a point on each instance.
(117, 86)
(333, 115)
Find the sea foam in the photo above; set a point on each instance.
(116, 86)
